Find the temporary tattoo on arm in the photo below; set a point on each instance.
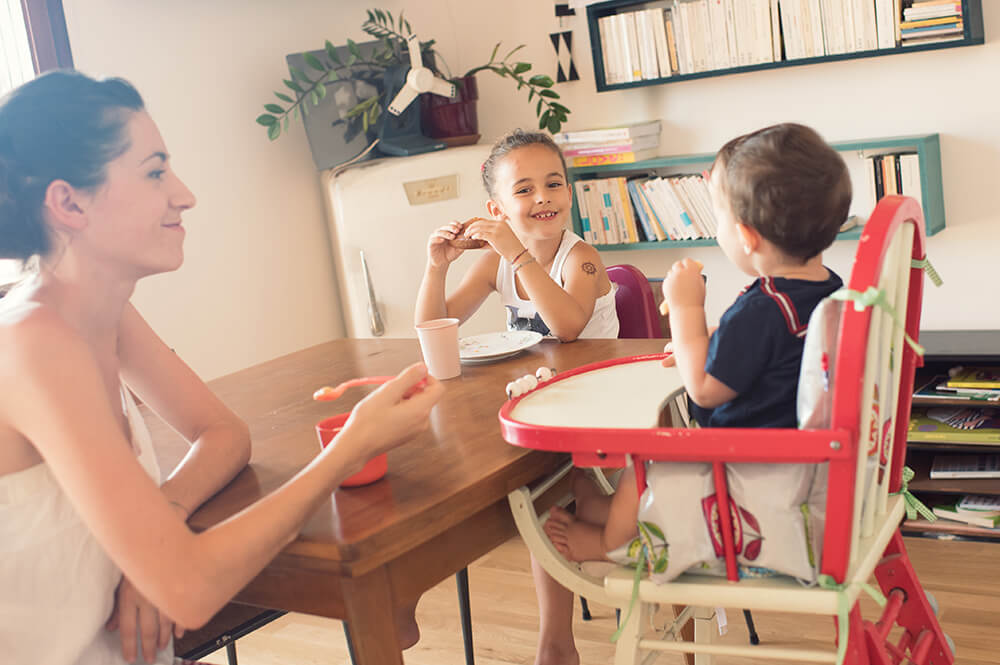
(589, 268)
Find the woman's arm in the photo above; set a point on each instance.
(566, 310)
(51, 391)
(220, 441)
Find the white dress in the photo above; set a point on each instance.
(522, 315)
(56, 582)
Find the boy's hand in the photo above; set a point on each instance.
(440, 252)
(683, 286)
(498, 234)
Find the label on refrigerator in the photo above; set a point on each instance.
(430, 190)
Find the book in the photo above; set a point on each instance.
(965, 466)
(611, 147)
(935, 424)
(613, 158)
(621, 132)
(640, 212)
(581, 206)
(974, 377)
(949, 511)
(937, 388)
(655, 221)
(909, 166)
(977, 503)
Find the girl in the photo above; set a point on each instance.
(88, 534)
(549, 280)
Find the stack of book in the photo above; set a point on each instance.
(621, 211)
(897, 173)
(957, 424)
(611, 145)
(927, 21)
(975, 509)
(938, 389)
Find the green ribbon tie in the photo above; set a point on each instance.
(639, 564)
(873, 297)
(925, 265)
(913, 504)
(843, 628)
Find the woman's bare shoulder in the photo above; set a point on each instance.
(31, 330)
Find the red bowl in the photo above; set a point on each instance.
(374, 469)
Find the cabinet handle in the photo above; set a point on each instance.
(374, 317)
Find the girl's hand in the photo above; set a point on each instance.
(137, 619)
(440, 252)
(386, 418)
(498, 234)
(683, 286)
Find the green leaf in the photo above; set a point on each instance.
(266, 119)
(521, 67)
(305, 109)
(558, 107)
(331, 52)
(389, 20)
(554, 124)
(531, 94)
(314, 62)
(552, 94)
(495, 49)
(287, 120)
(543, 120)
(381, 15)
(274, 108)
(661, 563)
(351, 59)
(321, 90)
(371, 15)
(283, 97)
(655, 530)
(332, 75)
(299, 74)
(541, 80)
(292, 85)
(274, 131)
(538, 109)
(409, 30)
(513, 51)
(315, 97)
(353, 48)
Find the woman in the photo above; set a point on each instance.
(90, 542)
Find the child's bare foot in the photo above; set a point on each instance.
(576, 540)
(406, 627)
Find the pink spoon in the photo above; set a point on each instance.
(328, 394)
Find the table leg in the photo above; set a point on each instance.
(371, 621)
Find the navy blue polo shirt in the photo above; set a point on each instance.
(757, 351)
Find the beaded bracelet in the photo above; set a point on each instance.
(519, 255)
(530, 260)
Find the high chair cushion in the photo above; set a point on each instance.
(814, 401)
(770, 506)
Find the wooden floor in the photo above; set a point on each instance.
(964, 576)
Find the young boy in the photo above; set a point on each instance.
(779, 196)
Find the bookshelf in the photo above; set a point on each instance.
(972, 13)
(926, 146)
(945, 349)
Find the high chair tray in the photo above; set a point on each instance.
(606, 410)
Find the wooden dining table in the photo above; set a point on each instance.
(442, 504)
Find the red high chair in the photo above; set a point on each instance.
(872, 370)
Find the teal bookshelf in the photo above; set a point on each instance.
(926, 146)
(972, 13)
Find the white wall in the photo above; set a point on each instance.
(258, 281)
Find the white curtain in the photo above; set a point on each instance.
(15, 54)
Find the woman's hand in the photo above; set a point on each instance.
(440, 252)
(498, 234)
(683, 286)
(389, 416)
(136, 618)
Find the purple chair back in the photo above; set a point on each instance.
(634, 303)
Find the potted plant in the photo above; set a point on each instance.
(441, 115)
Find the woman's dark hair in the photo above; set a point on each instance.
(63, 125)
(512, 140)
(789, 185)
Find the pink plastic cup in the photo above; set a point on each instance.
(374, 469)
(439, 345)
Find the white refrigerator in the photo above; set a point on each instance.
(385, 211)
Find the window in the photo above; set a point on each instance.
(33, 39)
(15, 53)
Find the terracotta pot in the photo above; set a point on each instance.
(452, 120)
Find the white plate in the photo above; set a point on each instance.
(497, 345)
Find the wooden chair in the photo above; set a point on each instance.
(863, 448)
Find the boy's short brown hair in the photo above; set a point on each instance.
(785, 182)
